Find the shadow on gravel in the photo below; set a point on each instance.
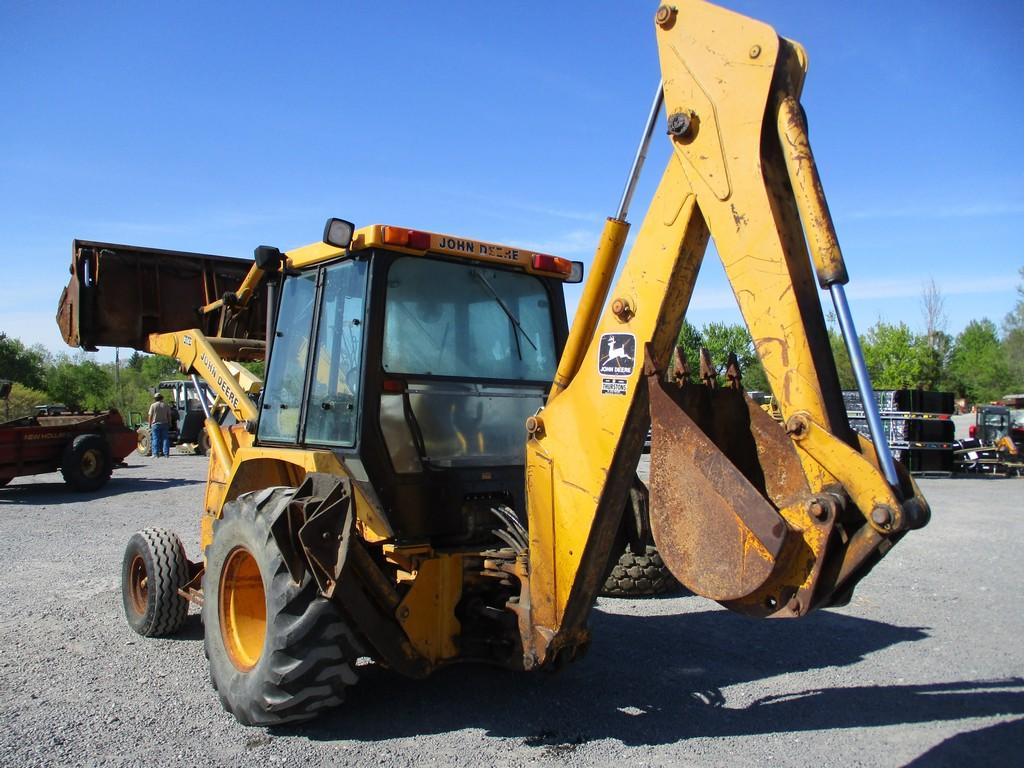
(660, 679)
(60, 493)
(996, 746)
(191, 630)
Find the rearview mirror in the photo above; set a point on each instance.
(268, 258)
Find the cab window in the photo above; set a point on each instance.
(467, 321)
(337, 362)
(286, 375)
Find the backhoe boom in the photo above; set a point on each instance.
(768, 522)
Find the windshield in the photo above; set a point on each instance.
(996, 419)
(467, 321)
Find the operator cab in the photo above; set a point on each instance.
(186, 412)
(417, 357)
(993, 423)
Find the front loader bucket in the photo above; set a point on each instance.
(119, 294)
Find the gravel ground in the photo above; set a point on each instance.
(924, 667)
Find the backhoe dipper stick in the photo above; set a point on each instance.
(823, 243)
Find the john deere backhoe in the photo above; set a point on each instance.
(437, 469)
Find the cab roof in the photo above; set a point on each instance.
(417, 242)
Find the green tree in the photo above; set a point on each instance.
(690, 340)
(255, 367)
(842, 359)
(25, 365)
(937, 343)
(80, 384)
(721, 339)
(135, 395)
(21, 402)
(978, 368)
(157, 368)
(895, 357)
(1013, 339)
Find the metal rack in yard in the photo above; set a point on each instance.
(918, 425)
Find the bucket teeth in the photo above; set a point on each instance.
(680, 368)
(732, 372)
(708, 372)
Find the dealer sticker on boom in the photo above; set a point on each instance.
(613, 386)
(616, 357)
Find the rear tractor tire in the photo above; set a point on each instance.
(153, 569)
(278, 652)
(86, 464)
(639, 576)
(203, 443)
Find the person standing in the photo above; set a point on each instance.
(159, 426)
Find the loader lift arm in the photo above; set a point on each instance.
(769, 522)
(143, 298)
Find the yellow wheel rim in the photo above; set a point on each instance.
(243, 609)
(91, 463)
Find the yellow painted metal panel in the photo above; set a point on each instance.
(427, 613)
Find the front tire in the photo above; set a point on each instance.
(153, 569)
(278, 652)
(86, 464)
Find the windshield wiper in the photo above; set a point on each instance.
(508, 312)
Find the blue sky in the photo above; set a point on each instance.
(216, 127)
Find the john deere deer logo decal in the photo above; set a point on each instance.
(617, 355)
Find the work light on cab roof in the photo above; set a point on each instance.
(338, 232)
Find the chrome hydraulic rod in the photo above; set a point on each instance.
(641, 154)
(602, 268)
(867, 394)
(201, 397)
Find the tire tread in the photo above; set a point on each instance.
(311, 649)
(639, 576)
(169, 571)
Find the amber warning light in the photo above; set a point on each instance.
(409, 238)
(571, 270)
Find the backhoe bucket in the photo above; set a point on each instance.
(721, 468)
(119, 294)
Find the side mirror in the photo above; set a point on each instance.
(338, 233)
(268, 258)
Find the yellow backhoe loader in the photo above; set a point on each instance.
(438, 469)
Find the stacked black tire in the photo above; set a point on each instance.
(917, 423)
(639, 576)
